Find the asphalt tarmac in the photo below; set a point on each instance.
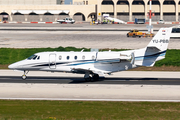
(102, 80)
(76, 35)
(84, 25)
(138, 86)
(79, 27)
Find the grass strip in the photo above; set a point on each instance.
(88, 110)
(11, 55)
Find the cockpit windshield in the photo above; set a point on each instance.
(32, 57)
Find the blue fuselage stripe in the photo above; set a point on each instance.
(118, 60)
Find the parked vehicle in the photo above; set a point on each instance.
(134, 33)
(161, 22)
(175, 32)
(66, 20)
(139, 21)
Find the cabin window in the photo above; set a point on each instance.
(67, 57)
(60, 57)
(75, 57)
(93, 57)
(83, 57)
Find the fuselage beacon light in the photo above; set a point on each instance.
(95, 64)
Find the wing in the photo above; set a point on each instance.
(83, 71)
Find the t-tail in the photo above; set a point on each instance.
(156, 49)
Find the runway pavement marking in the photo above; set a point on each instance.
(69, 99)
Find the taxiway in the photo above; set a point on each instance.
(122, 86)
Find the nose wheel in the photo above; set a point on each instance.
(24, 75)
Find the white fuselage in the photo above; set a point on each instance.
(79, 62)
(97, 63)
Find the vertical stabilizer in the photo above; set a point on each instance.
(161, 40)
(156, 49)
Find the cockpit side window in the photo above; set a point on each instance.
(38, 58)
(33, 57)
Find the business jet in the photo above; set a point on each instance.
(95, 64)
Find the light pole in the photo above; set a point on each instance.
(150, 27)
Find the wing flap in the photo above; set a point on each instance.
(81, 70)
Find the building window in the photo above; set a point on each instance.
(86, 2)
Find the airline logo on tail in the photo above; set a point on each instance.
(163, 32)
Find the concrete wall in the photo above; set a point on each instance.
(28, 2)
(138, 8)
(90, 2)
(122, 8)
(107, 8)
(154, 8)
(172, 10)
(169, 8)
(84, 9)
(94, 6)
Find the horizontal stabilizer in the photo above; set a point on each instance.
(145, 63)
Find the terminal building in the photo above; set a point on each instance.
(85, 10)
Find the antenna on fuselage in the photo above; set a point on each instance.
(82, 50)
(94, 50)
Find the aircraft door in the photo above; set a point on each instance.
(52, 61)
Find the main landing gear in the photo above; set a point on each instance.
(91, 77)
(24, 75)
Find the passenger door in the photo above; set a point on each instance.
(52, 61)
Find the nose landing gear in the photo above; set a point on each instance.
(24, 75)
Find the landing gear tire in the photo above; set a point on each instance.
(96, 77)
(88, 79)
(24, 77)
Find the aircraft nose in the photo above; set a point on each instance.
(12, 66)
